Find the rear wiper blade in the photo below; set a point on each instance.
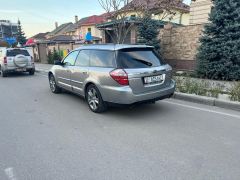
(144, 62)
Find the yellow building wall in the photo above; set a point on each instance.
(179, 17)
(199, 11)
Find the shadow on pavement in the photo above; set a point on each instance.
(139, 111)
(17, 75)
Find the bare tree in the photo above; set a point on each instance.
(121, 25)
(118, 12)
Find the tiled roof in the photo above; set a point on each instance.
(92, 20)
(60, 29)
(152, 4)
(61, 38)
(40, 36)
(71, 28)
(81, 21)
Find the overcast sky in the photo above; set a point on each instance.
(40, 16)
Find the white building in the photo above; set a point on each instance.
(8, 29)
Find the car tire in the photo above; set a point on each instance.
(3, 73)
(94, 99)
(32, 72)
(53, 85)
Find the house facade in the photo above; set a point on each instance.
(88, 24)
(179, 15)
(199, 11)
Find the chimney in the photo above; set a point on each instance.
(56, 25)
(76, 19)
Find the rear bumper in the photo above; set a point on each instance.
(18, 69)
(124, 95)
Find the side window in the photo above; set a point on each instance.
(71, 58)
(102, 58)
(83, 58)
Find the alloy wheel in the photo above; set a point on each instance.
(93, 99)
(52, 84)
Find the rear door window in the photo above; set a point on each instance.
(137, 58)
(102, 58)
(83, 58)
(15, 52)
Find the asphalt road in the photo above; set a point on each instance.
(44, 136)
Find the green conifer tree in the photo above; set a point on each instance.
(148, 32)
(21, 38)
(219, 53)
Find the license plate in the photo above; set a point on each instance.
(154, 79)
(20, 69)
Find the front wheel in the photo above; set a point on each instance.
(94, 100)
(53, 85)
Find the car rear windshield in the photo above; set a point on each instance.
(138, 58)
(15, 52)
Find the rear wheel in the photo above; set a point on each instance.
(53, 86)
(31, 72)
(94, 100)
(3, 73)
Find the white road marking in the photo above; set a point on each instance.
(10, 174)
(203, 109)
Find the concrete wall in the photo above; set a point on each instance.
(179, 45)
(199, 11)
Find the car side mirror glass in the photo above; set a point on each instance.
(58, 62)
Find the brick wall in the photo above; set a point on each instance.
(179, 45)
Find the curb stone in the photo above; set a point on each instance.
(207, 101)
(227, 104)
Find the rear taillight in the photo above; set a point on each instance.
(120, 76)
(32, 60)
(5, 60)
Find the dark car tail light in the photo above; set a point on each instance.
(5, 60)
(32, 60)
(120, 76)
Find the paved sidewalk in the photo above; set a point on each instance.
(43, 67)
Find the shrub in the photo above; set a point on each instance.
(148, 32)
(235, 92)
(50, 57)
(215, 91)
(53, 56)
(190, 86)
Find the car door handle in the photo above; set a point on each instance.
(85, 72)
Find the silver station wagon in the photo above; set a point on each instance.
(113, 74)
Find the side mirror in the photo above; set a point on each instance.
(58, 62)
